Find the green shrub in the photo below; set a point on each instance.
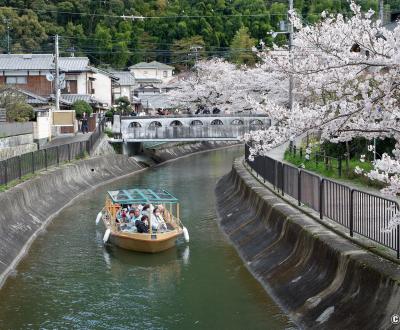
(80, 107)
(19, 112)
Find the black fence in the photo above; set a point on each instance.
(29, 163)
(360, 212)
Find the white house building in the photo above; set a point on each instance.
(152, 73)
(125, 84)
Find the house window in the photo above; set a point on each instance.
(165, 74)
(16, 80)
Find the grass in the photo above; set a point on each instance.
(15, 182)
(109, 132)
(331, 171)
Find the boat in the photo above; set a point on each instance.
(155, 240)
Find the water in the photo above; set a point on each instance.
(71, 281)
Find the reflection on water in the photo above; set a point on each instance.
(70, 280)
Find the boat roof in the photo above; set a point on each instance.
(132, 196)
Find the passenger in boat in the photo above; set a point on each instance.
(164, 213)
(142, 225)
(157, 221)
(146, 209)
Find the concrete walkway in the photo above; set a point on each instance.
(79, 137)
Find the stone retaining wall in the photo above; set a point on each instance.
(320, 279)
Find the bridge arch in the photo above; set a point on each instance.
(134, 124)
(196, 122)
(176, 123)
(155, 124)
(237, 122)
(256, 122)
(217, 122)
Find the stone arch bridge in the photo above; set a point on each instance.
(187, 127)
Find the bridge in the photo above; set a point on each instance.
(187, 127)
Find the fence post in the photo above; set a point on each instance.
(6, 171)
(69, 152)
(340, 166)
(45, 158)
(321, 198)
(351, 224)
(398, 242)
(58, 155)
(19, 167)
(283, 178)
(33, 162)
(299, 187)
(301, 152)
(294, 150)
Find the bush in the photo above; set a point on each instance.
(19, 112)
(80, 107)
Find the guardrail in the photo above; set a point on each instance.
(29, 163)
(12, 129)
(360, 212)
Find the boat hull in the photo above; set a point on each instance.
(145, 242)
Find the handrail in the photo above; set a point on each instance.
(361, 212)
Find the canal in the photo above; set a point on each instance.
(71, 281)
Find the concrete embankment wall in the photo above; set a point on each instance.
(322, 280)
(174, 150)
(27, 208)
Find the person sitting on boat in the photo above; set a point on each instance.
(146, 209)
(134, 215)
(157, 221)
(142, 225)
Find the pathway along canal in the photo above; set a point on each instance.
(70, 280)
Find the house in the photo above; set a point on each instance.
(153, 73)
(125, 84)
(34, 73)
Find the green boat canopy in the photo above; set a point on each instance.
(136, 196)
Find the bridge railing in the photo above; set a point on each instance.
(184, 132)
(236, 115)
(366, 214)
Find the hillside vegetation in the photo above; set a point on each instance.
(168, 31)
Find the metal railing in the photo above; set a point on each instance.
(29, 163)
(360, 212)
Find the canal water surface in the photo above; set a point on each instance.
(71, 281)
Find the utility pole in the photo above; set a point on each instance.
(57, 74)
(381, 11)
(196, 49)
(290, 30)
(7, 21)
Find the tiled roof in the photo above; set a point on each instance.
(151, 65)
(31, 98)
(42, 62)
(74, 64)
(148, 80)
(26, 61)
(71, 98)
(125, 77)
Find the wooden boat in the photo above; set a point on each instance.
(155, 240)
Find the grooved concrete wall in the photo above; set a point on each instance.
(175, 150)
(28, 207)
(321, 279)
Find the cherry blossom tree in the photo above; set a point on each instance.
(347, 72)
(216, 83)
